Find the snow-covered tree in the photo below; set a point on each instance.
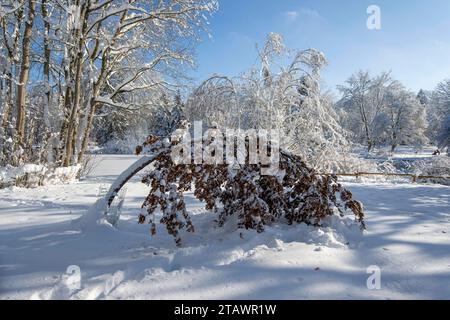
(116, 36)
(12, 18)
(406, 118)
(363, 99)
(440, 112)
(423, 97)
(277, 95)
(167, 115)
(85, 55)
(379, 110)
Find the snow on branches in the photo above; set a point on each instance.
(297, 194)
(284, 94)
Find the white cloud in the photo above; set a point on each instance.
(292, 15)
(305, 12)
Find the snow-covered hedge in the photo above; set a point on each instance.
(438, 166)
(242, 195)
(33, 175)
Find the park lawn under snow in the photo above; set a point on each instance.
(408, 237)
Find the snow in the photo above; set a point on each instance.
(408, 237)
(63, 174)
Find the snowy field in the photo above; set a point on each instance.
(408, 237)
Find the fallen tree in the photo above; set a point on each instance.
(297, 194)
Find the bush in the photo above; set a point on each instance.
(88, 165)
(33, 175)
(438, 166)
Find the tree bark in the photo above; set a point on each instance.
(74, 112)
(47, 143)
(23, 77)
(87, 131)
(7, 104)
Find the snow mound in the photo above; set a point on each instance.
(93, 220)
(33, 175)
(236, 243)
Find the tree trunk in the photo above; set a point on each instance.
(6, 120)
(47, 143)
(74, 112)
(394, 141)
(23, 77)
(7, 104)
(73, 117)
(87, 131)
(7, 128)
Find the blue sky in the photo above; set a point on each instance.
(414, 41)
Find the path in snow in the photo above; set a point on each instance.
(408, 238)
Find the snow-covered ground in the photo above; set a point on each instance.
(42, 249)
